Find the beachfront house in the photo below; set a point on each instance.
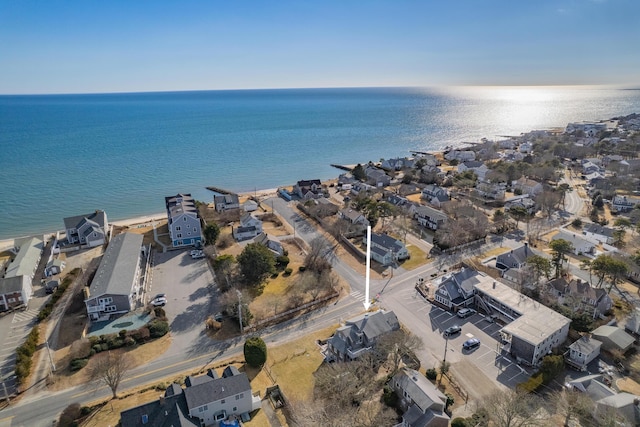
(249, 228)
(27, 258)
(377, 177)
(225, 202)
(14, 292)
(460, 155)
(87, 230)
(423, 404)
(308, 189)
(206, 400)
(114, 288)
(185, 225)
(359, 335)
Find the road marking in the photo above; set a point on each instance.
(24, 316)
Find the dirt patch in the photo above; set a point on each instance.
(628, 385)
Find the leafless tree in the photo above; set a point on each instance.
(510, 408)
(573, 405)
(110, 369)
(396, 345)
(317, 258)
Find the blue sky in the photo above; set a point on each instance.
(128, 46)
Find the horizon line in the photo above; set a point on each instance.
(116, 92)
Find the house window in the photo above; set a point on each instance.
(237, 397)
(178, 228)
(184, 218)
(107, 300)
(235, 408)
(222, 401)
(12, 300)
(195, 229)
(179, 235)
(110, 308)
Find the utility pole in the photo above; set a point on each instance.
(240, 310)
(53, 366)
(444, 358)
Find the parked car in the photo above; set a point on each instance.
(471, 343)
(51, 286)
(451, 330)
(465, 312)
(197, 254)
(159, 301)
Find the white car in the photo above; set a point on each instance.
(159, 301)
(197, 254)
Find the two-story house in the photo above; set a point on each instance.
(582, 352)
(308, 189)
(515, 258)
(527, 186)
(386, 250)
(14, 292)
(115, 286)
(428, 217)
(249, 227)
(90, 229)
(353, 216)
(460, 155)
(579, 296)
(456, 290)
(491, 190)
(377, 177)
(185, 225)
(359, 335)
(624, 203)
(423, 404)
(206, 400)
(225, 202)
(435, 195)
(475, 166)
(598, 233)
(522, 201)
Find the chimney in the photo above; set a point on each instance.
(162, 400)
(494, 284)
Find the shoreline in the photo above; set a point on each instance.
(9, 243)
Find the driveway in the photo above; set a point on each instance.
(189, 287)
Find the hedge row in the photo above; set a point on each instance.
(154, 329)
(24, 353)
(57, 294)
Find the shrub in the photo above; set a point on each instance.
(255, 352)
(389, 397)
(288, 271)
(531, 384)
(77, 364)
(85, 410)
(104, 346)
(141, 334)
(459, 422)
(158, 328)
(122, 333)
(70, 415)
(160, 313)
(282, 261)
(96, 348)
(302, 268)
(128, 341)
(431, 374)
(577, 223)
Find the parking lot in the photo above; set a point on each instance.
(430, 321)
(189, 288)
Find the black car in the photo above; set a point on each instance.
(451, 330)
(470, 344)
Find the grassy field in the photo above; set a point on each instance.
(418, 258)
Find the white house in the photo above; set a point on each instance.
(387, 250)
(428, 217)
(460, 155)
(598, 233)
(249, 228)
(527, 186)
(580, 245)
(479, 168)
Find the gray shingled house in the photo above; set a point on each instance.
(205, 401)
(422, 402)
(359, 335)
(114, 287)
(90, 229)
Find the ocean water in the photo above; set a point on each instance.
(63, 155)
